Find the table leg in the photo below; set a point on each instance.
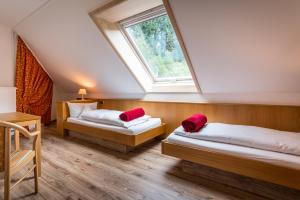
(39, 145)
(17, 140)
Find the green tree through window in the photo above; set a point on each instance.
(156, 42)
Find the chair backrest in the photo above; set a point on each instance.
(5, 140)
(8, 125)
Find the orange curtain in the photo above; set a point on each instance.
(34, 86)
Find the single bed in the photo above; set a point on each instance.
(268, 165)
(130, 137)
(133, 130)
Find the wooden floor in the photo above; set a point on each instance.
(75, 169)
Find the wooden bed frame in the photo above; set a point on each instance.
(265, 170)
(119, 138)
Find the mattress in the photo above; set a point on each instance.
(111, 117)
(282, 159)
(249, 136)
(133, 130)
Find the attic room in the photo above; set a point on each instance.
(150, 99)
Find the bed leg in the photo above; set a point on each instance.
(62, 132)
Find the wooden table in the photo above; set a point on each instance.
(21, 119)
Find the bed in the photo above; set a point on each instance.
(129, 137)
(276, 162)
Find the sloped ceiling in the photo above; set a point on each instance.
(242, 46)
(14, 11)
(71, 48)
(236, 47)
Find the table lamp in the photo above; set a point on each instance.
(82, 92)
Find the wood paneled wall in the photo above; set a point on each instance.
(285, 118)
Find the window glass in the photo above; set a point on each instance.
(156, 43)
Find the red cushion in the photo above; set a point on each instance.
(194, 123)
(132, 114)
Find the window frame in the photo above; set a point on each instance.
(139, 18)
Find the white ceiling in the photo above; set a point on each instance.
(242, 46)
(73, 51)
(250, 46)
(14, 11)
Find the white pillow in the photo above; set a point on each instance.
(77, 109)
(86, 109)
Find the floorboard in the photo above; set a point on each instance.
(74, 169)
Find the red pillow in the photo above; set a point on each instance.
(132, 114)
(194, 123)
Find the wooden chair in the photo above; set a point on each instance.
(18, 159)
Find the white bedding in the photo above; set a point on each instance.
(111, 117)
(77, 109)
(132, 130)
(288, 160)
(248, 136)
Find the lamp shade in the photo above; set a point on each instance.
(82, 91)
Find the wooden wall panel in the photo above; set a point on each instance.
(2, 147)
(285, 118)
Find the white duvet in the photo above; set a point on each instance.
(249, 136)
(111, 117)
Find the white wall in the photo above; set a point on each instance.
(8, 99)
(7, 70)
(249, 46)
(7, 66)
(73, 50)
(241, 51)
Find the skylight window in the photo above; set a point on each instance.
(147, 40)
(154, 40)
